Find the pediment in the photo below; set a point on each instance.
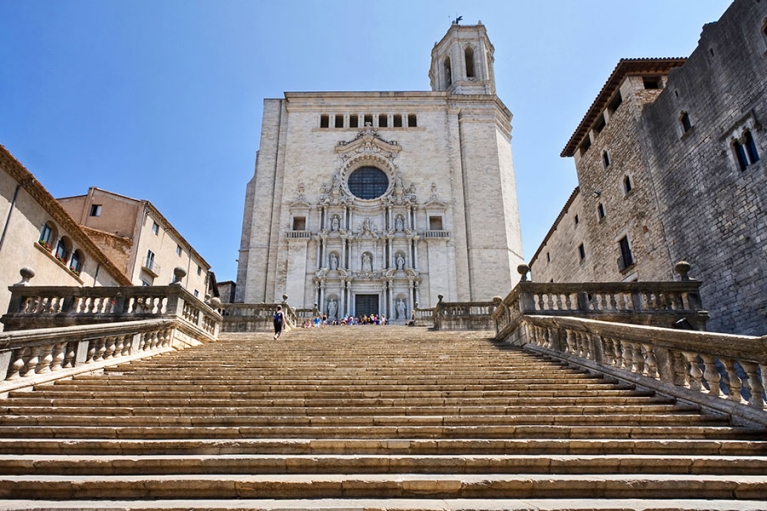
(368, 140)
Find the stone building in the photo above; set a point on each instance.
(374, 201)
(38, 233)
(139, 239)
(670, 166)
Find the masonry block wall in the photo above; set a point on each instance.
(715, 212)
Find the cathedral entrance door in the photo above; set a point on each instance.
(365, 305)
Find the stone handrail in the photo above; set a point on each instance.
(648, 303)
(35, 356)
(464, 315)
(53, 306)
(251, 317)
(725, 373)
(424, 317)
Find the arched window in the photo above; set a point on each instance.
(745, 150)
(63, 247)
(448, 72)
(47, 235)
(76, 262)
(753, 154)
(469, 59)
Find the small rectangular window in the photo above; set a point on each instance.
(652, 82)
(585, 145)
(548, 257)
(383, 120)
(397, 120)
(324, 121)
(615, 103)
(684, 118)
(601, 211)
(178, 250)
(626, 259)
(299, 223)
(196, 294)
(577, 220)
(411, 121)
(600, 124)
(368, 119)
(155, 228)
(199, 270)
(339, 120)
(354, 121)
(582, 251)
(95, 209)
(435, 223)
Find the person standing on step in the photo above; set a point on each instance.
(279, 320)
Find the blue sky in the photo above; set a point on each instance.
(162, 100)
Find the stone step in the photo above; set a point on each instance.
(75, 446)
(238, 417)
(411, 504)
(353, 485)
(380, 464)
(403, 431)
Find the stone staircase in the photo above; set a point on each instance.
(367, 417)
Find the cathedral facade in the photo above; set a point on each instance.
(373, 202)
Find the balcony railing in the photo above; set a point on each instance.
(151, 266)
(298, 235)
(435, 234)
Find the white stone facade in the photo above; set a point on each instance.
(375, 201)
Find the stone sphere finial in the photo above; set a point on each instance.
(497, 300)
(523, 270)
(416, 305)
(178, 275)
(285, 299)
(439, 298)
(26, 274)
(215, 303)
(683, 268)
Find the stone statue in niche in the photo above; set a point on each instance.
(399, 223)
(367, 263)
(400, 262)
(334, 223)
(333, 261)
(332, 308)
(401, 308)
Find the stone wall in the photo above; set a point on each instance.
(714, 214)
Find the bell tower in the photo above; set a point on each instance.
(462, 62)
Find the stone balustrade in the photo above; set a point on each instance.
(251, 317)
(464, 315)
(35, 356)
(647, 303)
(50, 306)
(720, 371)
(424, 317)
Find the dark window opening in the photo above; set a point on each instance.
(582, 251)
(95, 209)
(368, 183)
(469, 57)
(711, 51)
(324, 121)
(354, 121)
(600, 124)
(577, 220)
(615, 103)
(76, 262)
(626, 259)
(753, 154)
(585, 145)
(411, 121)
(548, 257)
(368, 119)
(383, 121)
(627, 186)
(46, 235)
(448, 73)
(601, 211)
(605, 159)
(397, 120)
(339, 120)
(685, 120)
(435, 223)
(299, 223)
(652, 82)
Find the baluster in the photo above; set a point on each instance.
(100, 350)
(166, 340)
(650, 363)
(59, 350)
(127, 345)
(539, 301)
(581, 343)
(570, 342)
(613, 301)
(153, 341)
(119, 346)
(754, 384)
(109, 347)
(626, 357)
(711, 375)
(71, 352)
(607, 347)
(31, 366)
(617, 354)
(588, 347)
(734, 385)
(695, 372)
(44, 366)
(14, 371)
